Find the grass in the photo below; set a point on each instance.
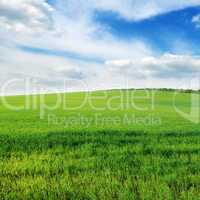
(128, 147)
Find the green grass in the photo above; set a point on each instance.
(52, 154)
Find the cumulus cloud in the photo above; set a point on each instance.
(166, 66)
(25, 15)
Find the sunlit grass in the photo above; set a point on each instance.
(41, 159)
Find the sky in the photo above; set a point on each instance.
(72, 45)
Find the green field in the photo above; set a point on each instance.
(117, 145)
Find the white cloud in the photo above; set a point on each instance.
(166, 66)
(25, 15)
(196, 20)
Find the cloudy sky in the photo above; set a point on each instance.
(99, 44)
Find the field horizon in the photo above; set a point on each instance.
(186, 90)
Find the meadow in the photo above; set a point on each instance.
(117, 144)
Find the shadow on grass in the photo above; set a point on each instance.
(29, 143)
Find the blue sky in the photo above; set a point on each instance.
(65, 54)
(101, 43)
(160, 31)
